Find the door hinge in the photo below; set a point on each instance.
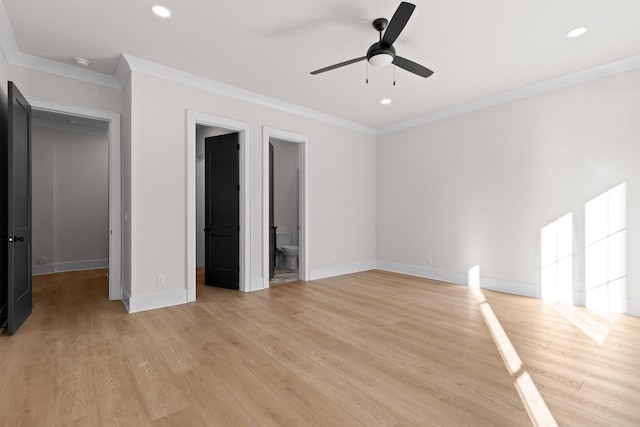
(238, 269)
(238, 147)
(238, 187)
(238, 228)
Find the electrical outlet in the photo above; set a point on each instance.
(160, 281)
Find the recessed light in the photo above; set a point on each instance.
(576, 32)
(385, 101)
(82, 62)
(161, 11)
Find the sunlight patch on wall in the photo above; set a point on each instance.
(556, 260)
(473, 277)
(606, 251)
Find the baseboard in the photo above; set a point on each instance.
(340, 270)
(157, 300)
(126, 299)
(524, 289)
(257, 284)
(60, 267)
(424, 272)
(633, 307)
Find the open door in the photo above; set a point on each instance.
(222, 211)
(272, 221)
(16, 196)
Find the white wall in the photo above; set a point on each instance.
(477, 189)
(202, 132)
(285, 188)
(4, 76)
(127, 127)
(70, 199)
(42, 164)
(37, 84)
(342, 165)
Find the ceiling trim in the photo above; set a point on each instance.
(130, 63)
(601, 71)
(15, 57)
(182, 77)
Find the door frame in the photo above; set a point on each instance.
(115, 189)
(244, 130)
(303, 236)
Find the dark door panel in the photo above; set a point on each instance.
(18, 202)
(272, 220)
(222, 211)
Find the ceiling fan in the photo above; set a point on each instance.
(383, 53)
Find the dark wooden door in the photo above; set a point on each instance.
(272, 221)
(16, 156)
(222, 211)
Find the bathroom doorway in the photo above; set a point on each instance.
(285, 214)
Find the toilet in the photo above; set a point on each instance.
(290, 252)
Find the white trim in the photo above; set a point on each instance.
(244, 129)
(16, 58)
(123, 71)
(303, 240)
(209, 85)
(157, 300)
(612, 68)
(633, 307)
(523, 289)
(126, 300)
(579, 298)
(58, 267)
(341, 270)
(424, 272)
(64, 70)
(115, 201)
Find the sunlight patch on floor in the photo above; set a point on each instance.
(533, 401)
(585, 323)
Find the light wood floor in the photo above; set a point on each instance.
(369, 349)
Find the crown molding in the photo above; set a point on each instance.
(605, 70)
(16, 58)
(167, 73)
(130, 63)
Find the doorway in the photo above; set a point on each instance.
(217, 200)
(70, 187)
(195, 203)
(300, 215)
(112, 121)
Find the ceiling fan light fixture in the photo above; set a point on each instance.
(385, 101)
(381, 60)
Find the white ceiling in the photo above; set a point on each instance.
(476, 48)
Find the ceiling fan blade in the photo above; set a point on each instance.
(412, 67)
(397, 23)
(342, 64)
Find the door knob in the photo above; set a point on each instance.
(16, 239)
(207, 229)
